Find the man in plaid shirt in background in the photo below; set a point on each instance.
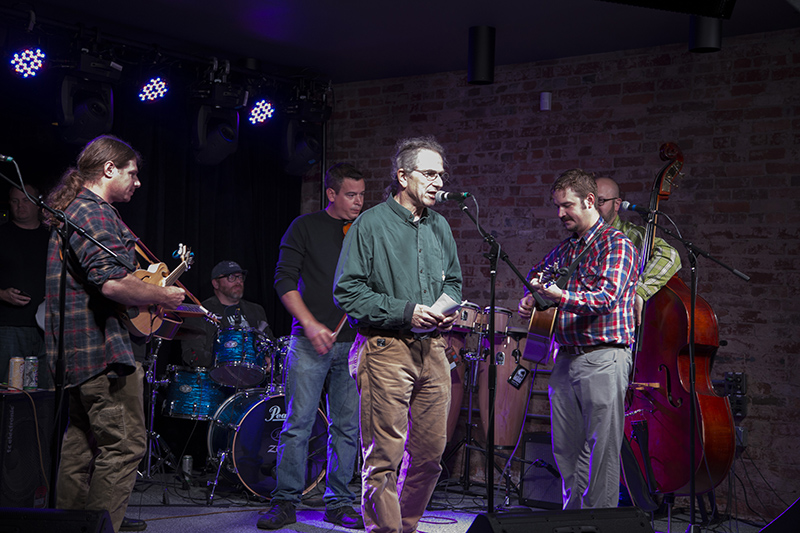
(594, 328)
(664, 261)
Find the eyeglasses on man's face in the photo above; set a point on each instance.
(431, 175)
(239, 276)
(602, 201)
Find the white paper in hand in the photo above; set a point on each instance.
(444, 305)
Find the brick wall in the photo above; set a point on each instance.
(735, 115)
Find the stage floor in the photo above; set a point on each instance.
(170, 505)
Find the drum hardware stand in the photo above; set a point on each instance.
(156, 447)
(222, 456)
(470, 384)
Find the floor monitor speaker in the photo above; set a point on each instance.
(617, 520)
(57, 520)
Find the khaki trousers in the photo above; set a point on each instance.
(404, 385)
(104, 442)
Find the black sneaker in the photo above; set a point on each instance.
(344, 516)
(132, 524)
(280, 514)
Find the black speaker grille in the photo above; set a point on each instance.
(22, 481)
(540, 483)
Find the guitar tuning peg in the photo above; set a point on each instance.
(176, 254)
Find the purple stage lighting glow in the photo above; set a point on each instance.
(153, 90)
(28, 62)
(261, 111)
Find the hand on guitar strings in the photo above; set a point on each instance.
(547, 290)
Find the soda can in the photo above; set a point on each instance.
(187, 463)
(30, 380)
(16, 372)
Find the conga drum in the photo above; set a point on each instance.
(455, 350)
(511, 403)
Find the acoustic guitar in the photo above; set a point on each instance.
(540, 341)
(146, 321)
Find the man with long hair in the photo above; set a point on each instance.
(106, 436)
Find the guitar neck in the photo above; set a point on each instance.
(175, 274)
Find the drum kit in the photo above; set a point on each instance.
(469, 347)
(242, 399)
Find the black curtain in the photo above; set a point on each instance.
(236, 210)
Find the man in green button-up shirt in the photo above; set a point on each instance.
(397, 259)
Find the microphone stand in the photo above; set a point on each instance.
(65, 231)
(692, 252)
(493, 254)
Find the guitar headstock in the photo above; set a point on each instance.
(184, 253)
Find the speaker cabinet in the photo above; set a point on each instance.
(27, 520)
(24, 458)
(618, 520)
(540, 482)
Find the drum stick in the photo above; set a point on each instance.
(339, 326)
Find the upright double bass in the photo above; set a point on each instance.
(657, 414)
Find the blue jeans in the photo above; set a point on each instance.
(307, 372)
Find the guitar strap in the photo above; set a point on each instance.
(563, 276)
(566, 273)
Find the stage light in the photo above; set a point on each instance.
(155, 89)
(301, 147)
(216, 134)
(86, 111)
(28, 62)
(261, 111)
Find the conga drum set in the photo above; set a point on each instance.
(469, 350)
(242, 398)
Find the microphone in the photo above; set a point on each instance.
(631, 207)
(443, 196)
(6, 158)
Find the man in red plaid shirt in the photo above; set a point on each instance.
(594, 328)
(106, 438)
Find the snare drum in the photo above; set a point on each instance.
(502, 318)
(246, 427)
(240, 357)
(192, 393)
(467, 318)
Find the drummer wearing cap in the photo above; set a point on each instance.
(227, 279)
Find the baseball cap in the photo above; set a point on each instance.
(225, 268)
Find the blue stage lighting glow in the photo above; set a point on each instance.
(261, 111)
(28, 62)
(153, 90)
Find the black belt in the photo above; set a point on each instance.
(398, 333)
(580, 350)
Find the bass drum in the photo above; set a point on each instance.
(246, 428)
